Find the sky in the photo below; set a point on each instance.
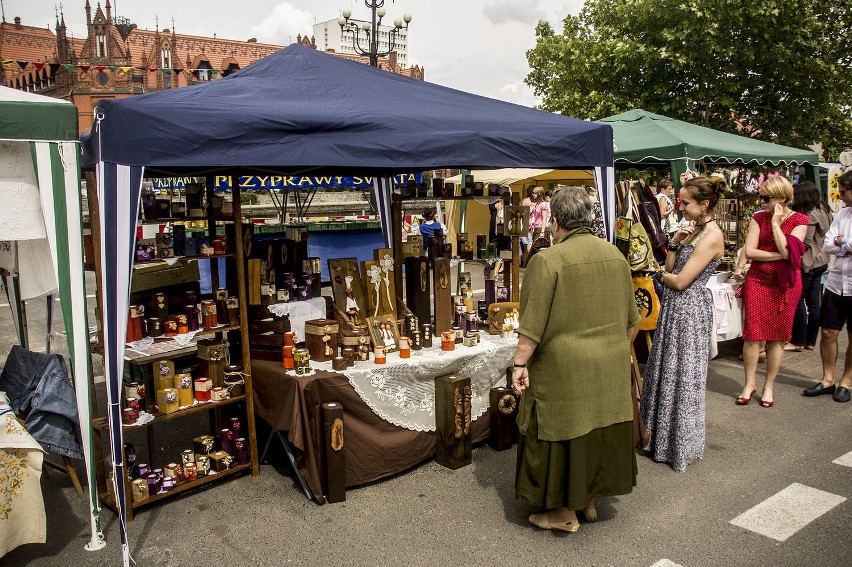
(477, 46)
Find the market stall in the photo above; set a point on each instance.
(42, 203)
(300, 111)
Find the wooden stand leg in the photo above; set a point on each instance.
(452, 421)
(332, 420)
(72, 473)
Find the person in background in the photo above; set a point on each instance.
(572, 369)
(668, 213)
(837, 299)
(428, 224)
(808, 201)
(598, 228)
(773, 284)
(672, 405)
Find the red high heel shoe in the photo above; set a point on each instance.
(741, 401)
(765, 404)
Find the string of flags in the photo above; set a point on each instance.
(69, 68)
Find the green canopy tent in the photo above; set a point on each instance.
(39, 141)
(642, 138)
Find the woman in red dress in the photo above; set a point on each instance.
(769, 307)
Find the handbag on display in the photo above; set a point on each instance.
(647, 302)
(647, 211)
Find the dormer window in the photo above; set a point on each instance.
(100, 45)
(203, 71)
(166, 58)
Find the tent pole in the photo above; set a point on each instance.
(20, 305)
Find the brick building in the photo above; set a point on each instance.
(117, 59)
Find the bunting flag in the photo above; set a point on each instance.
(85, 68)
(6, 62)
(68, 67)
(152, 69)
(214, 72)
(188, 72)
(54, 68)
(176, 70)
(126, 69)
(23, 64)
(165, 71)
(39, 66)
(100, 68)
(112, 68)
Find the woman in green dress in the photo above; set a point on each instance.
(572, 368)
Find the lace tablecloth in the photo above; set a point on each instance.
(299, 312)
(402, 391)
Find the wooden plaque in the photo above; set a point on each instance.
(348, 293)
(384, 258)
(335, 481)
(453, 421)
(418, 288)
(516, 221)
(443, 305)
(413, 246)
(497, 313)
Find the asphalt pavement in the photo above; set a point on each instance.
(782, 475)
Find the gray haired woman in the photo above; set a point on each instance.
(572, 366)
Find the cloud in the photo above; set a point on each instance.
(505, 11)
(509, 88)
(283, 24)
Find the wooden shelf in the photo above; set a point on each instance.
(102, 423)
(108, 500)
(178, 350)
(182, 259)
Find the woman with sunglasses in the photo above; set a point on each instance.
(773, 284)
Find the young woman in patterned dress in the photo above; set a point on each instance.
(769, 307)
(672, 405)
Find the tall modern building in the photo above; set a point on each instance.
(329, 36)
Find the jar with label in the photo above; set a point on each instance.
(187, 456)
(190, 471)
(182, 324)
(218, 394)
(404, 347)
(235, 425)
(129, 416)
(302, 360)
(379, 355)
(287, 356)
(155, 483)
(155, 328)
(139, 490)
(172, 470)
(459, 334)
(208, 314)
(170, 328)
(448, 340)
(233, 307)
(168, 483)
(226, 440)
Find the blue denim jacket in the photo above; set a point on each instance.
(38, 383)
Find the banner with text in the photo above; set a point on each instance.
(223, 182)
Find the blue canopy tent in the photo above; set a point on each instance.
(300, 112)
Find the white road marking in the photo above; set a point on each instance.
(782, 515)
(845, 460)
(666, 563)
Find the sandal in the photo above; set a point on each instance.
(543, 521)
(790, 347)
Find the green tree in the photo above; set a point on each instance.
(778, 70)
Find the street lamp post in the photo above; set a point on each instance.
(371, 32)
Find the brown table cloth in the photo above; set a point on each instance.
(373, 448)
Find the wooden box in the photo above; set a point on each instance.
(212, 359)
(321, 338)
(220, 461)
(453, 421)
(203, 445)
(167, 400)
(502, 412)
(356, 339)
